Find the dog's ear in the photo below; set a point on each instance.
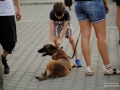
(51, 47)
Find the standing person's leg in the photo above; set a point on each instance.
(73, 43)
(97, 14)
(70, 7)
(66, 3)
(118, 18)
(85, 27)
(70, 4)
(69, 35)
(8, 38)
(1, 72)
(99, 23)
(7, 49)
(100, 30)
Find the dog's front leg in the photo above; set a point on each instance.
(71, 66)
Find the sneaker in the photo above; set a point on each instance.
(78, 63)
(6, 67)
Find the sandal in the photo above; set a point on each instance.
(108, 70)
(89, 71)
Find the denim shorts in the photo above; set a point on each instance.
(90, 10)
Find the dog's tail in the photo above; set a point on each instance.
(41, 79)
(45, 78)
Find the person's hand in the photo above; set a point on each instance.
(106, 8)
(58, 42)
(18, 15)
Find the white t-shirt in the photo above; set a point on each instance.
(6, 8)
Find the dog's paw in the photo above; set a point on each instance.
(73, 66)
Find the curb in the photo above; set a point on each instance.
(43, 2)
(35, 3)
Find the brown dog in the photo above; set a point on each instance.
(59, 66)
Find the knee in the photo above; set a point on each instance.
(101, 38)
(85, 37)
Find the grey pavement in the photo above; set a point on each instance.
(33, 33)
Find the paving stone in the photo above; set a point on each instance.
(90, 89)
(52, 88)
(19, 88)
(8, 88)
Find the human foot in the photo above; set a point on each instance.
(6, 67)
(108, 70)
(90, 71)
(78, 63)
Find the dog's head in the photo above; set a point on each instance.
(48, 49)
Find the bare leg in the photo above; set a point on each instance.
(77, 60)
(72, 42)
(85, 27)
(118, 18)
(100, 30)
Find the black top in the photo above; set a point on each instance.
(66, 16)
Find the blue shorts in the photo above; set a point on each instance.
(90, 10)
